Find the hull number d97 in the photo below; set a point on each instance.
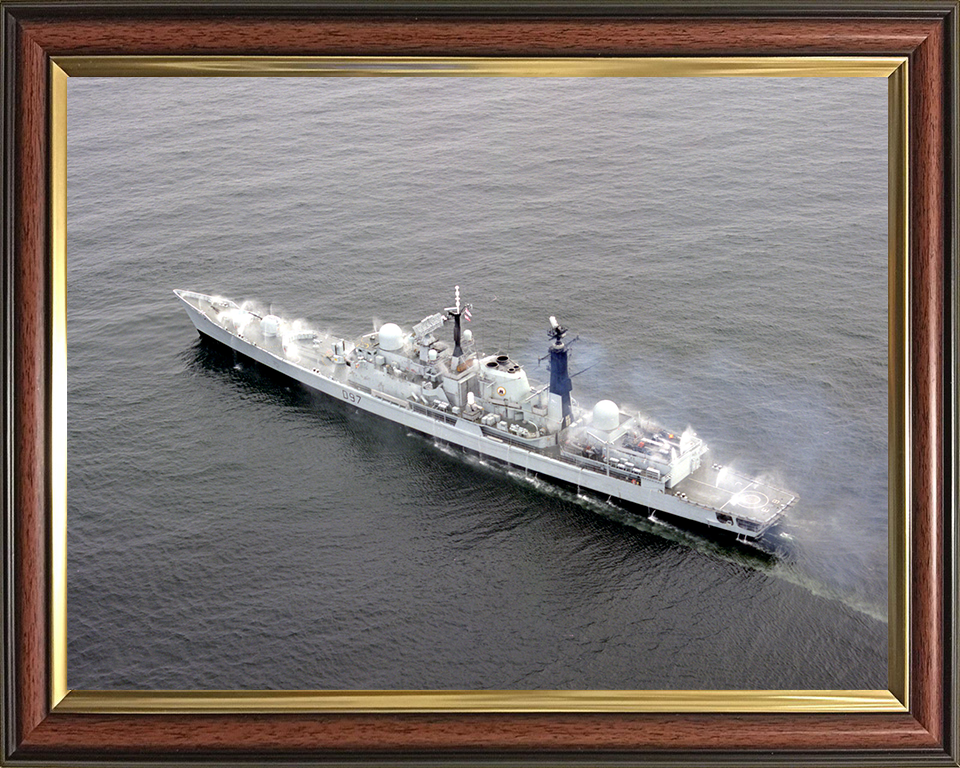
(351, 397)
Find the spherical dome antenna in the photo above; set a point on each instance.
(606, 415)
(391, 337)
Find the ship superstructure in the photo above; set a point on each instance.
(486, 404)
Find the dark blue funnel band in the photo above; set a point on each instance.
(560, 383)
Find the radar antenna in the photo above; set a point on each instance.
(557, 332)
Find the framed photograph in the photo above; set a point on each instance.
(738, 224)
(377, 165)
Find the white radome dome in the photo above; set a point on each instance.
(391, 337)
(606, 415)
(270, 325)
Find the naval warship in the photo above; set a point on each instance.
(450, 391)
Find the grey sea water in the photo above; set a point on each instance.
(719, 245)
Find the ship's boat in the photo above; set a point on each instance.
(486, 404)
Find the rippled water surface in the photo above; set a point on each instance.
(719, 245)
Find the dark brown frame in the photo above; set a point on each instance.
(925, 32)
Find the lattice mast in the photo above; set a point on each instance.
(456, 312)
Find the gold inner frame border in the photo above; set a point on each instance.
(895, 699)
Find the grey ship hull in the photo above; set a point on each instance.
(330, 379)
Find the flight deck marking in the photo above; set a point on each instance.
(752, 500)
(747, 500)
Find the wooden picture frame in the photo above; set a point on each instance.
(40, 728)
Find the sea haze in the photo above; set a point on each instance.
(719, 246)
